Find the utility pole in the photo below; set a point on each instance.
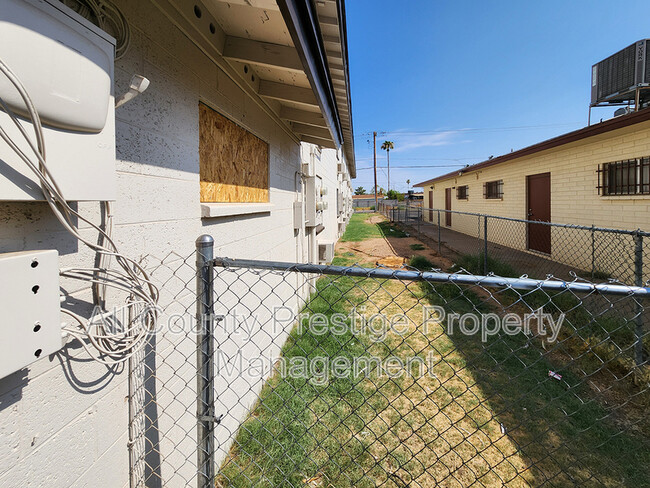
(388, 165)
(374, 147)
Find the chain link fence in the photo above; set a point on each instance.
(163, 382)
(296, 375)
(404, 378)
(514, 247)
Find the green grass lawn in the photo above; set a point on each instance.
(296, 424)
(359, 229)
(490, 415)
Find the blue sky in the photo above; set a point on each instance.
(453, 82)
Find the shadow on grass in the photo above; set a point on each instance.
(390, 231)
(570, 430)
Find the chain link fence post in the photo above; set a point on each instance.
(205, 362)
(485, 244)
(439, 232)
(638, 281)
(593, 252)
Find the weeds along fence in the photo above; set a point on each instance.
(514, 247)
(294, 375)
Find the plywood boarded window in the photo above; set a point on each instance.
(234, 164)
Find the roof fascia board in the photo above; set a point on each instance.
(302, 21)
(343, 33)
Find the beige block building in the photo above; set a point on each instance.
(598, 175)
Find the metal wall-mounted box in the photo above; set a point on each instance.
(314, 203)
(66, 64)
(30, 311)
(325, 252)
(298, 216)
(311, 160)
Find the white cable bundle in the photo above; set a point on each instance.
(107, 17)
(106, 339)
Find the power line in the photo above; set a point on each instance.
(424, 159)
(418, 166)
(470, 129)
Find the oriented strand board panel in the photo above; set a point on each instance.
(234, 164)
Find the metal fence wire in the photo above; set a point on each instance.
(297, 375)
(348, 376)
(163, 381)
(510, 246)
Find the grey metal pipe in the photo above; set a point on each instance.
(206, 419)
(638, 281)
(439, 249)
(438, 277)
(485, 244)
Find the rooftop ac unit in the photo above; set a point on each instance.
(615, 79)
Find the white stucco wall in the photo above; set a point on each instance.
(63, 420)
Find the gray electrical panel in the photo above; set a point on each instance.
(30, 318)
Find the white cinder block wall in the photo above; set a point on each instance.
(336, 178)
(63, 420)
(331, 167)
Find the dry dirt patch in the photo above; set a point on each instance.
(392, 252)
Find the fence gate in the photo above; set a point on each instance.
(349, 376)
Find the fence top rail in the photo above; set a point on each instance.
(522, 283)
(552, 224)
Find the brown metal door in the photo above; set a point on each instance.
(448, 207)
(538, 191)
(431, 206)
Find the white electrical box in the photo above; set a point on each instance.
(311, 158)
(30, 317)
(314, 204)
(66, 65)
(325, 252)
(298, 218)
